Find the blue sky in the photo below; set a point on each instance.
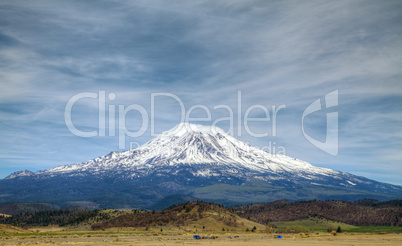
(204, 52)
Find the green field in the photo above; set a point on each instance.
(322, 225)
(376, 229)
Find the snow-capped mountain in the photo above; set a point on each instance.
(201, 161)
(192, 145)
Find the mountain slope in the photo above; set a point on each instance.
(191, 160)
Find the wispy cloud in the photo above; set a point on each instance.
(275, 52)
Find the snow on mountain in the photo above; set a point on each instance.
(20, 174)
(192, 145)
(190, 160)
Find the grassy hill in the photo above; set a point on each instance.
(9, 229)
(312, 224)
(190, 216)
(88, 218)
(5, 215)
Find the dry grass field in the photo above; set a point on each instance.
(187, 239)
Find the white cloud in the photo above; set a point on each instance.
(276, 53)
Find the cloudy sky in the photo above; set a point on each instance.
(203, 54)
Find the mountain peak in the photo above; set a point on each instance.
(214, 152)
(19, 174)
(186, 128)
